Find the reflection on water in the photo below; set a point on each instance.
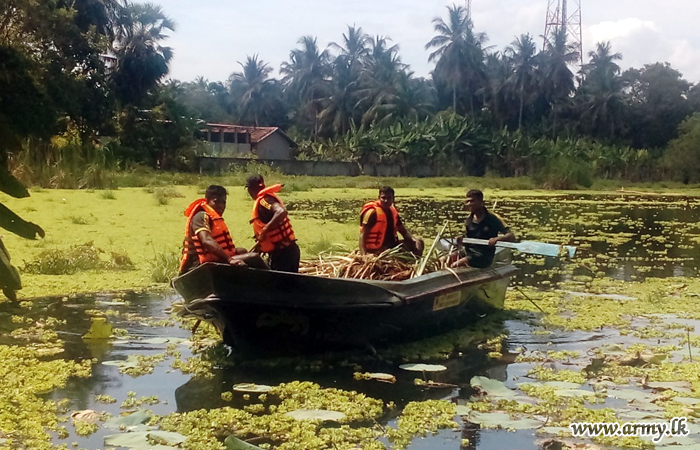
(637, 238)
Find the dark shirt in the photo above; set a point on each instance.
(369, 219)
(489, 227)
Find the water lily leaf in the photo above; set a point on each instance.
(316, 414)
(99, 329)
(132, 361)
(463, 410)
(492, 388)
(502, 420)
(154, 447)
(562, 384)
(167, 437)
(251, 387)
(233, 443)
(679, 442)
(138, 418)
(628, 394)
(645, 405)
(639, 415)
(135, 428)
(128, 439)
(690, 401)
(677, 447)
(86, 415)
(680, 355)
(558, 431)
(678, 386)
(156, 341)
(613, 350)
(423, 367)
(574, 393)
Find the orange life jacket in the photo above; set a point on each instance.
(219, 232)
(375, 237)
(282, 234)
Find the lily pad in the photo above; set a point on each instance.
(127, 439)
(678, 386)
(574, 393)
(316, 414)
(233, 443)
(86, 415)
(463, 410)
(629, 394)
(630, 415)
(690, 401)
(502, 420)
(138, 418)
(132, 361)
(423, 367)
(167, 437)
(557, 431)
(251, 387)
(156, 341)
(492, 388)
(140, 440)
(613, 350)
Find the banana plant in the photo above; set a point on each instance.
(9, 277)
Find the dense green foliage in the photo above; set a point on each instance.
(90, 74)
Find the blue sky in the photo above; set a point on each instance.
(213, 35)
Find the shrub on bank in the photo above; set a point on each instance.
(76, 258)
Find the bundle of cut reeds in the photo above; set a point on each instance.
(394, 264)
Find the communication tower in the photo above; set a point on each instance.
(468, 5)
(565, 15)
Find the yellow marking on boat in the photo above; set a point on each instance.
(447, 300)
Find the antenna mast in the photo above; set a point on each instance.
(559, 17)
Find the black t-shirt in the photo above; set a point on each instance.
(490, 226)
(369, 219)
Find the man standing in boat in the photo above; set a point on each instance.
(482, 224)
(272, 227)
(207, 238)
(380, 225)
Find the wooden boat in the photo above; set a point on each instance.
(265, 310)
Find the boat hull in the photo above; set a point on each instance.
(258, 310)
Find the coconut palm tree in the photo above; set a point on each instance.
(600, 97)
(142, 62)
(523, 53)
(251, 89)
(353, 48)
(459, 53)
(306, 78)
(555, 74)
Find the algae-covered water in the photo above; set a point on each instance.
(608, 336)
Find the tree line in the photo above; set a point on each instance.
(73, 73)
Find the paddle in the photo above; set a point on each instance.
(536, 248)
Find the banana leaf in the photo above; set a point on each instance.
(10, 185)
(14, 223)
